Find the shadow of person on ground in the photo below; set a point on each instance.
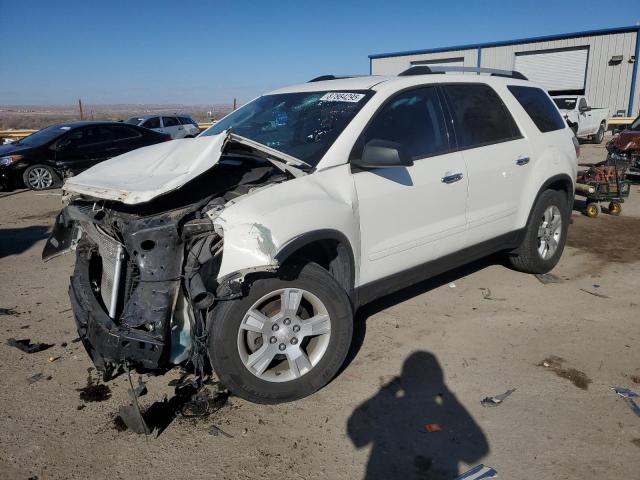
(14, 241)
(393, 423)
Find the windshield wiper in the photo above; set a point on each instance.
(272, 152)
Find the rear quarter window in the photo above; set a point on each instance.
(539, 107)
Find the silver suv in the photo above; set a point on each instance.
(251, 246)
(178, 126)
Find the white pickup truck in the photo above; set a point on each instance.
(584, 120)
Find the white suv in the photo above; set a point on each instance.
(252, 245)
(178, 126)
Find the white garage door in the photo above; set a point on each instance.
(555, 70)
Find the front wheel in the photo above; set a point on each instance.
(599, 136)
(285, 339)
(40, 177)
(545, 235)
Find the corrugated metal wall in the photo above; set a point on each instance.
(395, 65)
(606, 85)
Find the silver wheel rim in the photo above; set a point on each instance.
(40, 178)
(284, 335)
(549, 232)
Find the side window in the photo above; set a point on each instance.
(85, 137)
(122, 133)
(170, 121)
(153, 122)
(539, 107)
(413, 119)
(479, 115)
(186, 121)
(582, 104)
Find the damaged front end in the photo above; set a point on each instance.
(146, 274)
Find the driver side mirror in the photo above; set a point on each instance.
(382, 154)
(584, 109)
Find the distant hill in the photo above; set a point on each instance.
(39, 116)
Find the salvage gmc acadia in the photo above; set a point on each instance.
(251, 246)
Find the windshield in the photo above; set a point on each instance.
(303, 125)
(565, 103)
(43, 136)
(134, 120)
(635, 125)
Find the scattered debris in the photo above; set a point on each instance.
(215, 431)
(547, 278)
(578, 378)
(8, 311)
(595, 294)
(130, 416)
(26, 346)
(486, 294)
(476, 473)
(433, 427)
(63, 344)
(497, 400)
(52, 359)
(452, 285)
(629, 395)
(635, 378)
(76, 340)
(595, 285)
(36, 377)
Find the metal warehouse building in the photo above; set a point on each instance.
(601, 64)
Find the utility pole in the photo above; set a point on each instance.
(80, 108)
(234, 103)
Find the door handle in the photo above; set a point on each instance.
(522, 161)
(454, 177)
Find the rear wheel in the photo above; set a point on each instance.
(615, 208)
(545, 235)
(285, 339)
(592, 210)
(598, 137)
(40, 177)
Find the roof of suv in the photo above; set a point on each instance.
(371, 81)
(153, 115)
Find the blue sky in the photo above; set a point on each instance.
(207, 52)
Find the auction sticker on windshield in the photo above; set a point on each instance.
(342, 97)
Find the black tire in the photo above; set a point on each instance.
(526, 258)
(598, 137)
(30, 182)
(224, 323)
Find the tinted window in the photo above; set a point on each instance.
(582, 103)
(187, 121)
(479, 115)
(153, 122)
(84, 137)
(413, 119)
(564, 103)
(121, 133)
(539, 107)
(170, 121)
(134, 120)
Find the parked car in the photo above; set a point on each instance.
(43, 159)
(625, 147)
(251, 246)
(178, 126)
(584, 120)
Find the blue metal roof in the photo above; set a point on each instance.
(546, 38)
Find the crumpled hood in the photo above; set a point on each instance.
(621, 140)
(143, 174)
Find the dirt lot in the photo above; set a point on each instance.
(427, 355)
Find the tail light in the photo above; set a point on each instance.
(576, 145)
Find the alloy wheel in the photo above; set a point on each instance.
(549, 232)
(40, 178)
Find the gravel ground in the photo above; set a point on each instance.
(427, 355)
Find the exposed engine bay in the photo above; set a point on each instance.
(145, 274)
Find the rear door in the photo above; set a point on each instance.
(125, 139)
(152, 123)
(496, 154)
(172, 126)
(410, 215)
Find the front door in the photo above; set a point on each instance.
(410, 215)
(84, 147)
(171, 126)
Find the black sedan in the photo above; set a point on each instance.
(42, 160)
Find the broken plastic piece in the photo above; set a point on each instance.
(215, 431)
(132, 418)
(432, 427)
(628, 396)
(547, 278)
(26, 346)
(476, 473)
(497, 400)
